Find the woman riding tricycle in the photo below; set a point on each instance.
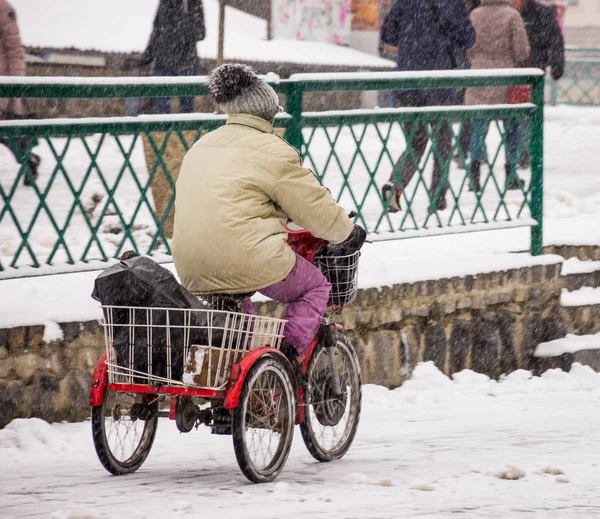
(238, 189)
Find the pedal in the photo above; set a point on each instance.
(221, 421)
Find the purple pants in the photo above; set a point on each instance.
(306, 291)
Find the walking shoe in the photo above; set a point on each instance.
(440, 205)
(388, 193)
(515, 183)
(460, 163)
(474, 184)
(31, 173)
(524, 161)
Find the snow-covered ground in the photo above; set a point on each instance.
(434, 448)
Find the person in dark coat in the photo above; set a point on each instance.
(178, 27)
(430, 35)
(545, 37)
(547, 46)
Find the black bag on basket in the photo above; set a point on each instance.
(141, 282)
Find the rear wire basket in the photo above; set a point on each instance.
(342, 273)
(182, 347)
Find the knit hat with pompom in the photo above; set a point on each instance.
(238, 90)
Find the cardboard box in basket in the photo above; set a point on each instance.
(202, 360)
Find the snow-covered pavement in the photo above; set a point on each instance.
(432, 448)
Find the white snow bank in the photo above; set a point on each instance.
(52, 332)
(510, 472)
(31, 436)
(85, 25)
(569, 344)
(74, 512)
(428, 384)
(583, 297)
(577, 266)
(358, 478)
(376, 268)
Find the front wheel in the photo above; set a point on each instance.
(330, 421)
(263, 421)
(123, 428)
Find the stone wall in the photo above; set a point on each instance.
(49, 381)
(490, 323)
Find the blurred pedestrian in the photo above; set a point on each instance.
(466, 129)
(430, 35)
(12, 63)
(547, 46)
(501, 43)
(545, 37)
(172, 49)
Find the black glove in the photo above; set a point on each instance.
(350, 245)
(356, 239)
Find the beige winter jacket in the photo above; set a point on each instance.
(501, 43)
(12, 54)
(236, 188)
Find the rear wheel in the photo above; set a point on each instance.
(123, 428)
(330, 421)
(263, 421)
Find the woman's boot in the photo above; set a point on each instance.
(474, 184)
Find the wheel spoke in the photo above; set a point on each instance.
(123, 437)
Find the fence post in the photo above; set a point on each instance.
(294, 108)
(537, 166)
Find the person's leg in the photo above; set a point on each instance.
(525, 137)
(418, 144)
(511, 130)
(465, 139)
(306, 292)
(441, 166)
(186, 104)
(480, 130)
(162, 105)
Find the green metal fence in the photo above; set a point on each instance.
(580, 85)
(96, 193)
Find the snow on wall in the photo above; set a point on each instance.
(583, 297)
(569, 344)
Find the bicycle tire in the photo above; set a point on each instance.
(107, 455)
(317, 415)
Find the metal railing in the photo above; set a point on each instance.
(580, 85)
(96, 195)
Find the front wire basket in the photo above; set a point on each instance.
(342, 273)
(182, 347)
